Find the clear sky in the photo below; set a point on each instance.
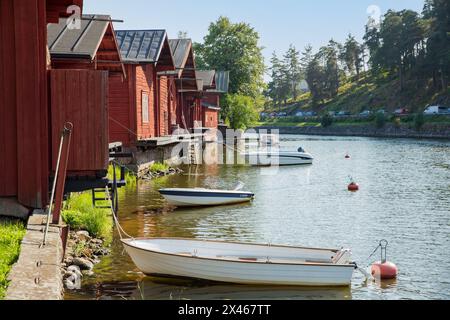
(279, 22)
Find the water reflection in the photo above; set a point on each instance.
(404, 197)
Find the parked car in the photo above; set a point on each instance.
(401, 112)
(282, 114)
(343, 114)
(433, 110)
(366, 113)
(300, 114)
(310, 114)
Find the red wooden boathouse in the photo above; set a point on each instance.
(186, 83)
(82, 59)
(140, 105)
(24, 126)
(211, 100)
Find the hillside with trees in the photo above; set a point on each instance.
(402, 62)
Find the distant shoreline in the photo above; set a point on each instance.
(429, 131)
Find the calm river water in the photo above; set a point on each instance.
(404, 197)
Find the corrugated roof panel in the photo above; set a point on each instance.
(140, 45)
(222, 81)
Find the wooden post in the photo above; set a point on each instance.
(61, 180)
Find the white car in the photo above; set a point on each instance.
(436, 110)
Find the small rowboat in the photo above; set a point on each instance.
(204, 197)
(239, 263)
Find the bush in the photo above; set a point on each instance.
(327, 121)
(380, 120)
(419, 121)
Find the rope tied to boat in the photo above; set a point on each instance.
(119, 228)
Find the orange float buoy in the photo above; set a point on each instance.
(384, 270)
(353, 187)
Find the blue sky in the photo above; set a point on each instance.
(279, 22)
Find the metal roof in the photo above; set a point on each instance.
(141, 46)
(83, 42)
(180, 50)
(207, 76)
(222, 81)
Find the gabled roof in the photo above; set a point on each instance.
(207, 77)
(180, 50)
(222, 82)
(144, 46)
(83, 42)
(94, 40)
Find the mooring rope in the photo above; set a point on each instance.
(120, 230)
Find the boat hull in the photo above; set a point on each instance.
(239, 272)
(181, 198)
(281, 159)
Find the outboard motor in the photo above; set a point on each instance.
(301, 150)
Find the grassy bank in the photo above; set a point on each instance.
(80, 214)
(11, 235)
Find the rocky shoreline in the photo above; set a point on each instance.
(83, 253)
(429, 131)
(150, 175)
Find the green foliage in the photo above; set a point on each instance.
(326, 121)
(419, 121)
(11, 235)
(130, 177)
(234, 47)
(242, 111)
(159, 167)
(380, 120)
(80, 214)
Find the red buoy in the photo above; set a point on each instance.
(384, 270)
(353, 187)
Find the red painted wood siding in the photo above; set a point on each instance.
(164, 105)
(210, 118)
(144, 79)
(8, 117)
(122, 111)
(81, 97)
(24, 109)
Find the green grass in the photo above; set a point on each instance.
(11, 235)
(159, 167)
(130, 177)
(80, 214)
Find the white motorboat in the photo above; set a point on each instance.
(279, 158)
(204, 197)
(240, 263)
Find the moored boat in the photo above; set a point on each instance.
(181, 197)
(241, 263)
(279, 158)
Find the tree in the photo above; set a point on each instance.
(242, 113)
(234, 47)
(279, 87)
(352, 55)
(293, 70)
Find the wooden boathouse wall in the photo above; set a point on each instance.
(24, 128)
(81, 97)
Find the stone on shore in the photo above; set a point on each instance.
(84, 264)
